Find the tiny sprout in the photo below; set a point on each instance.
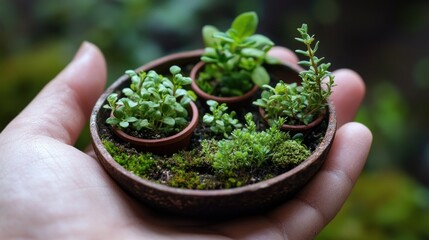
(220, 122)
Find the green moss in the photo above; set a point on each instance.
(140, 164)
(289, 153)
(246, 148)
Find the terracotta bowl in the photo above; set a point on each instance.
(248, 199)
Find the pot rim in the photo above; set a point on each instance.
(173, 138)
(297, 128)
(207, 96)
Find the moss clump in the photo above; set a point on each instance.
(141, 164)
(246, 148)
(290, 153)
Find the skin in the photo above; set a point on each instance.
(51, 190)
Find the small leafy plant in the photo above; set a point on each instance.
(300, 104)
(219, 121)
(152, 103)
(234, 59)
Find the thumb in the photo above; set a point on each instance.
(61, 109)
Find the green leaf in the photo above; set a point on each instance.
(212, 103)
(179, 109)
(183, 81)
(192, 95)
(185, 101)
(175, 69)
(127, 91)
(180, 92)
(272, 60)
(143, 123)
(260, 41)
(245, 24)
(208, 119)
(169, 121)
(220, 123)
(112, 121)
(223, 36)
(130, 119)
(180, 121)
(260, 76)
(253, 52)
(166, 109)
(168, 84)
(124, 124)
(112, 98)
(208, 31)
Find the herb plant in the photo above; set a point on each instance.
(300, 104)
(234, 59)
(219, 121)
(152, 103)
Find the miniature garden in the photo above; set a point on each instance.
(273, 129)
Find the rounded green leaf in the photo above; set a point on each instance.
(245, 24)
(253, 52)
(112, 121)
(260, 76)
(208, 119)
(124, 124)
(208, 38)
(127, 91)
(169, 121)
(175, 69)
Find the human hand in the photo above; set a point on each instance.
(51, 190)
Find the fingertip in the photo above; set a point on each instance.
(350, 150)
(283, 54)
(348, 94)
(86, 74)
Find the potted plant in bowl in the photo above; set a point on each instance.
(303, 106)
(235, 164)
(232, 65)
(156, 113)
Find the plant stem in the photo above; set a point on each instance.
(316, 72)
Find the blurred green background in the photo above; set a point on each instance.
(385, 41)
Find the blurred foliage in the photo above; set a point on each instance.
(385, 41)
(398, 210)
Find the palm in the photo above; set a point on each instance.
(52, 190)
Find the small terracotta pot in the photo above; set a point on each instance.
(236, 101)
(208, 204)
(167, 145)
(297, 128)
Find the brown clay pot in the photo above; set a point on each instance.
(208, 204)
(236, 101)
(167, 145)
(297, 128)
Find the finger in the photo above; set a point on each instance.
(305, 216)
(283, 54)
(347, 95)
(61, 109)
